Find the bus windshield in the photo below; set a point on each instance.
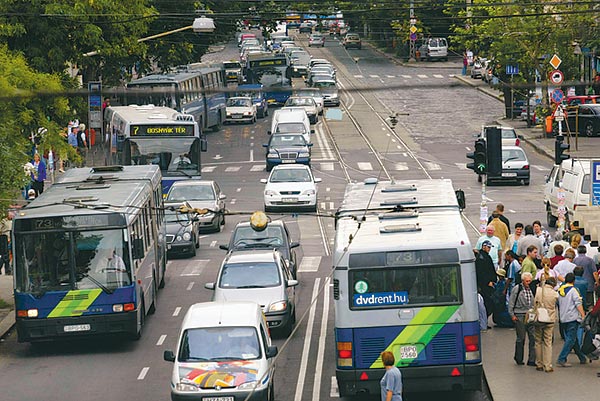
(174, 156)
(158, 95)
(395, 287)
(271, 77)
(71, 260)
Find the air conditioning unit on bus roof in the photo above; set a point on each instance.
(184, 117)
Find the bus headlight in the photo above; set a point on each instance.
(187, 236)
(278, 306)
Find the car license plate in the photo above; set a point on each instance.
(217, 398)
(288, 161)
(408, 352)
(509, 174)
(289, 200)
(77, 327)
(237, 116)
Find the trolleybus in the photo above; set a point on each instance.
(89, 254)
(273, 71)
(404, 281)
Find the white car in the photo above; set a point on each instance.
(291, 186)
(509, 135)
(240, 109)
(304, 102)
(314, 93)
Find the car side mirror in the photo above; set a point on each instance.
(460, 199)
(169, 356)
(269, 132)
(292, 283)
(222, 197)
(312, 131)
(309, 144)
(271, 351)
(209, 286)
(263, 180)
(317, 180)
(224, 247)
(294, 245)
(265, 145)
(520, 136)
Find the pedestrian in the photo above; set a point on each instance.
(500, 229)
(596, 84)
(590, 274)
(38, 175)
(496, 250)
(520, 302)
(465, 63)
(546, 272)
(565, 266)
(5, 236)
(573, 231)
(391, 382)
(486, 275)
(581, 285)
(545, 297)
(543, 235)
(571, 315)
(528, 265)
(529, 239)
(503, 218)
(500, 314)
(558, 254)
(513, 271)
(512, 243)
(557, 241)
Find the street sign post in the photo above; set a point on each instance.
(595, 182)
(557, 96)
(557, 77)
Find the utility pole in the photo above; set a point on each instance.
(413, 35)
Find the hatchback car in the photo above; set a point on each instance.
(262, 277)
(240, 109)
(515, 166)
(275, 235)
(201, 194)
(287, 149)
(316, 40)
(181, 230)
(509, 136)
(255, 91)
(352, 40)
(291, 187)
(307, 103)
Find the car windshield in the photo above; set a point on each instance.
(219, 344)
(194, 192)
(290, 175)
(508, 133)
(300, 102)
(510, 155)
(325, 84)
(172, 216)
(249, 275)
(246, 236)
(233, 102)
(288, 140)
(290, 127)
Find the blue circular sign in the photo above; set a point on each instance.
(557, 96)
(413, 36)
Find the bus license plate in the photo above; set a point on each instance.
(408, 352)
(289, 200)
(77, 327)
(217, 399)
(509, 174)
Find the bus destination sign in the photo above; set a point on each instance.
(162, 130)
(267, 63)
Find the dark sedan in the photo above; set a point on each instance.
(585, 118)
(181, 230)
(287, 148)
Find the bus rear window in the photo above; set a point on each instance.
(404, 286)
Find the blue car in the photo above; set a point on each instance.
(255, 91)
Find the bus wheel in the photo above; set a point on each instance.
(164, 273)
(152, 308)
(138, 333)
(217, 127)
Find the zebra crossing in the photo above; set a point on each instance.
(404, 76)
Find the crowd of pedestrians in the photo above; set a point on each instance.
(522, 274)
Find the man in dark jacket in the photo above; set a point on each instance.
(486, 275)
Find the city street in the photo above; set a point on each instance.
(438, 118)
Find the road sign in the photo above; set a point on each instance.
(413, 36)
(595, 190)
(556, 77)
(555, 62)
(512, 69)
(413, 29)
(557, 96)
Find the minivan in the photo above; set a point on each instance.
(574, 177)
(434, 49)
(223, 352)
(288, 121)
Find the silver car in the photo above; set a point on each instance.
(307, 103)
(312, 92)
(201, 194)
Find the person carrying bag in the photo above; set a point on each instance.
(545, 311)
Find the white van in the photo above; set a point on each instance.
(224, 352)
(574, 176)
(291, 121)
(434, 49)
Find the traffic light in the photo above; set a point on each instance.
(559, 148)
(479, 157)
(494, 151)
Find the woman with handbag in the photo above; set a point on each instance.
(545, 307)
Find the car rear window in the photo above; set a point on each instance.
(508, 133)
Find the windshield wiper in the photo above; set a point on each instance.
(251, 286)
(98, 283)
(225, 358)
(182, 172)
(196, 358)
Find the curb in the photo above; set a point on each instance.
(7, 323)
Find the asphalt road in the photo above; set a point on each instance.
(431, 141)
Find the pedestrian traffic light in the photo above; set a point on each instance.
(494, 151)
(559, 148)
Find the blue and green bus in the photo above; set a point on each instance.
(404, 281)
(90, 254)
(273, 72)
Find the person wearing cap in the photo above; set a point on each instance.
(30, 195)
(500, 315)
(486, 275)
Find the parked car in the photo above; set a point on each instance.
(255, 91)
(307, 103)
(434, 49)
(291, 187)
(275, 235)
(312, 92)
(509, 135)
(201, 194)
(515, 166)
(181, 230)
(262, 277)
(316, 40)
(352, 40)
(587, 99)
(240, 109)
(478, 67)
(285, 149)
(585, 119)
(224, 352)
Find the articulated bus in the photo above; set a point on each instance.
(199, 91)
(273, 72)
(404, 282)
(90, 254)
(141, 135)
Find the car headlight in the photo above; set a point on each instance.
(296, 69)
(182, 386)
(187, 236)
(228, 113)
(270, 192)
(272, 156)
(248, 385)
(178, 238)
(333, 95)
(303, 154)
(278, 306)
(309, 192)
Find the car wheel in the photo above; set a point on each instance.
(197, 243)
(525, 182)
(193, 252)
(266, 111)
(289, 326)
(551, 220)
(589, 129)
(223, 219)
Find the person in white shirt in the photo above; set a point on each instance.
(566, 265)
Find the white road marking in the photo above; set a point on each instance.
(190, 286)
(232, 201)
(468, 148)
(208, 169)
(232, 169)
(432, 166)
(178, 309)
(257, 167)
(364, 166)
(407, 76)
(461, 166)
(327, 189)
(438, 76)
(251, 154)
(390, 76)
(358, 76)
(213, 244)
(310, 264)
(322, 337)
(331, 206)
(512, 211)
(335, 391)
(401, 166)
(327, 166)
(422, 76)
(161, 340)
(195, 267)
(306, 348)
(489, 199)
(323, 205)
(373, 76)
(143, 373)
(238, 190)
